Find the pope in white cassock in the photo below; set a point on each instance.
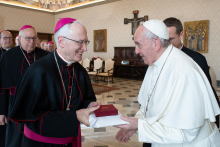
(178, 107)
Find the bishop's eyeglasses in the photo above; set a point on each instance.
(5, 38)
(78, 42)
(30, 38)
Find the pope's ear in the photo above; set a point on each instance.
(61, 41)
(157, 44)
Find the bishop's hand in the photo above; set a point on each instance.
(94, 104)
(3, 120)
(83, 115)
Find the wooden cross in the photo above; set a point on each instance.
(135, 21)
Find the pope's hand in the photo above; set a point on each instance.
(94, 104)
(124, 135)
(127, 130)
(3, 120)
(83, 115)
(132, 126)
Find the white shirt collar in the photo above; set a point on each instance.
(181, 47)
(68, 63)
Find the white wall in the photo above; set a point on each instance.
(111, 17)
(13, 18)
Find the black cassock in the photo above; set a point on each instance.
(2, 51)
(12, 65)
(41, 102)
(2, 128)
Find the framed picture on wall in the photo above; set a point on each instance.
(100, 40)
(196, 35)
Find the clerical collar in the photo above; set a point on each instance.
(181, 47)
(24, 50)
(68, 63)
(163, 57)
(5, 49)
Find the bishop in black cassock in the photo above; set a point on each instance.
(52, 92)
(13, 65)
(41, 102)
(6, 42)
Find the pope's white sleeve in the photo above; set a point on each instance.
(140, 113)
(158, 133)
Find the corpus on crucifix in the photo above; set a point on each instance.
(135, 21)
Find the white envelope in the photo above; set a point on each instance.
(97, 122)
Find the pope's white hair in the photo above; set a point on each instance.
(64, 31)
(151, 36)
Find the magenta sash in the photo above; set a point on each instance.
(12, 90)
(76, 141)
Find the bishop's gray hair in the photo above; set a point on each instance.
(64, 31)
(20, 33)
(151, 36)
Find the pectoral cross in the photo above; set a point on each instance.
(135, 21)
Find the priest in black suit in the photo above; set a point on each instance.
(13, 65)
(55, 93)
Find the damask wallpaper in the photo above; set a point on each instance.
(111, 17)
(13, 18)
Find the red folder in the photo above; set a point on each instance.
(106, 110)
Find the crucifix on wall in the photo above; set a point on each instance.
(135, 21)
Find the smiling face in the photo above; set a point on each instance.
(144, 47)
(71, 50)
(28, 45)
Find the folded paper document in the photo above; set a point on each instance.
(97, 122)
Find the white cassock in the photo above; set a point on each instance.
(182, 109)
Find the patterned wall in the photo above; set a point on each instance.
(111, 17)
(13, 18)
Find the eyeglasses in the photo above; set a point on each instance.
(30, 38)
(79, 42)
(5, 38)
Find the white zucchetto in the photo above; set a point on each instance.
(158, 28)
